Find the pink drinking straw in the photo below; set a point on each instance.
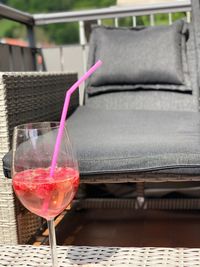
(64, 113)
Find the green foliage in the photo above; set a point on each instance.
(11, 29)
(64, 33)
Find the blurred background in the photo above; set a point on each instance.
(66, 33)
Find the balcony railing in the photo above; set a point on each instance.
(114, 12)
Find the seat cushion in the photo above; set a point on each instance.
(118, 141)
(112, 141)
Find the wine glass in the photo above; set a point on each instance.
(44, 194)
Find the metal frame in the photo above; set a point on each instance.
(16, 15)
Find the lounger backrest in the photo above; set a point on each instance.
(151, 80)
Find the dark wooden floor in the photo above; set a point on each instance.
(130, 228)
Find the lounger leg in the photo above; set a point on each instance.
(140, 199)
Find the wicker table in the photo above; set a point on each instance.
(23, 256)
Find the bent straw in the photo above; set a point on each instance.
(62, 124)
(64, 113)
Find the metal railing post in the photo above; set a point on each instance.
(82, 40)
(170, 18)
(32, 43)
(116, 22)
(61, 58)
(188, 15)
(31, 35)
(99, 22)
(134, 21)
(152, 20)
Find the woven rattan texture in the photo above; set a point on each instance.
(8, 230)
(22, 256)
(26, 97)
(35, 96)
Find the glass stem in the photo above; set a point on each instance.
(52, 242)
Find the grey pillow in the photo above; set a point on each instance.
(142, 57)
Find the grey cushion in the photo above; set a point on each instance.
(118, 141)
(128, 141)
(136, 58)
(154, 99)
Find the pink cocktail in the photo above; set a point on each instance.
(44, 195)
(40, 190)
